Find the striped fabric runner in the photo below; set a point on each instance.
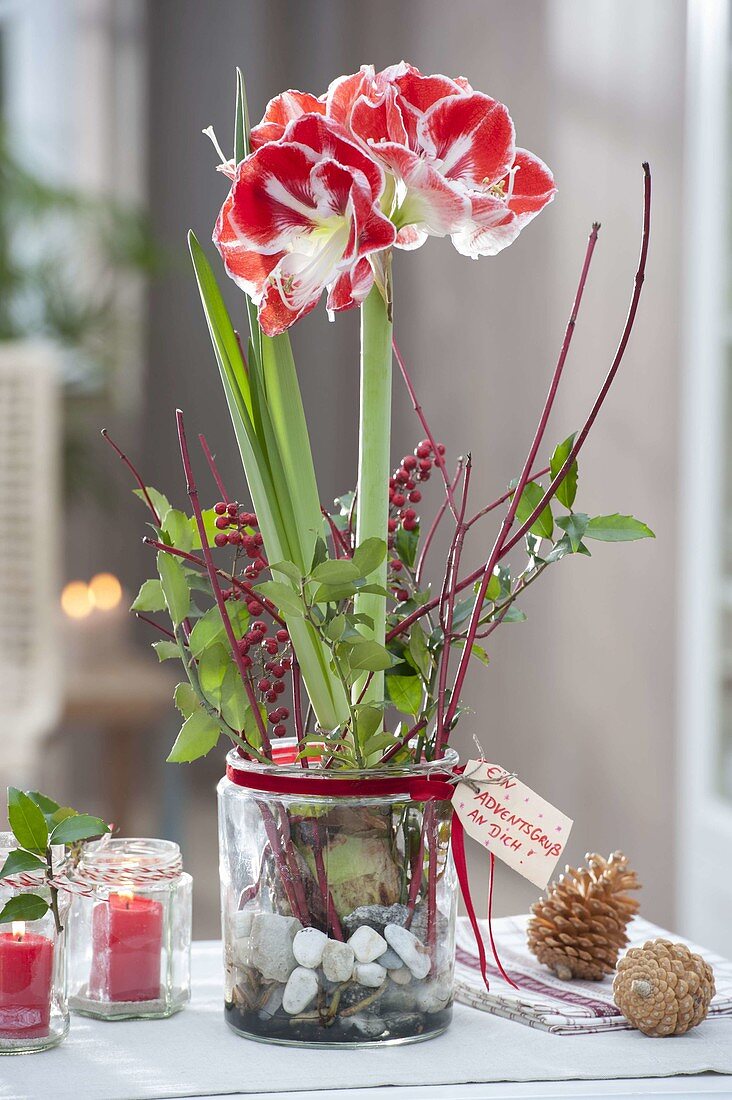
(544, 1002)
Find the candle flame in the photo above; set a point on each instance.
(18, 929)
(105, 591)
(76, 600)
(128, 895)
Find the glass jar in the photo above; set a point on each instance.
(338, 911)
(33, 1011)
(130, 930)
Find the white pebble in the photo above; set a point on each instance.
(308, 947)
(241, 923)
(270, 945)
(390, 960)
(409, 949)
(370, 974)
(367, 944)
(301, 988)
(403, 976)
(338, 960)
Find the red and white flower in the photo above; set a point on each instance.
(302, 216)
(450, 152)
(281, 110)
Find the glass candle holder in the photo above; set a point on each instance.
(130, 931)
(33, 1010)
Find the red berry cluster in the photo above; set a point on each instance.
(237, 529)
(257, 644)
(403, 493)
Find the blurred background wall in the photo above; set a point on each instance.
(582, 700)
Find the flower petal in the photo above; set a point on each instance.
(344, 91)
(281, 110)
(351, 287)
(272, 198)
(471, 136)
(275, 315)
(247, 268)
(432, 202)
(533, 184)
(491, 227)
(328, 139)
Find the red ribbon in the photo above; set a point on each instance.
(417, 788)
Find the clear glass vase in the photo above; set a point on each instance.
(338, 912)
(33, 1011)
(130, 931)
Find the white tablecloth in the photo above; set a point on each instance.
(195, 1054)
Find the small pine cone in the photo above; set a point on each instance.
(578, 929)
(663, 988)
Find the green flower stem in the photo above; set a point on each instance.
(374, 461)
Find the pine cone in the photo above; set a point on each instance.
(578, 929)
(663, 988)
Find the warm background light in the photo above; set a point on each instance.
(76, 600)
(105, 591)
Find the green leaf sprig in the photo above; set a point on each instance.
(38, 824)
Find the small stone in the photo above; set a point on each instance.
(390, 960)
(241, 923)
(403, 976)
(369, 1026)
(338, 960)
(376, 916)
(367, 944)
(301, 989)
(273, 1003)
(369, 974)
(270, 945)
(308, 947)
(409, 949)
(434, 995)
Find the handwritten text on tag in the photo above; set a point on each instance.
(511, 820)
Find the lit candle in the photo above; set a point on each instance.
(26, 972)
(127, 943)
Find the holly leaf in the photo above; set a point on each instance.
(617, 528)
(175, 587)
(177, 526)
(19, 861)
(78, 827)
(283, 597)
(185, 699)
(46, 804)
(575, 526)
(368, 655)
(288, 569)
(567, 491)
(198, 735)
(543, 525)
(405, 544)
(405, 693)
(150, 597)
(369, 555)
(166, 649)
(212, 667)
(336, 572)
(27, 821)
(24, 907)
(419, 652)
(160, 502)
(210, 630)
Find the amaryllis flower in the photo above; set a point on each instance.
(450, 152)
(282, 109)
(303, 215)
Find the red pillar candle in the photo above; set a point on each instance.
(127, 943)
(26, 974)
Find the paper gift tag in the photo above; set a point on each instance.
(511, 820)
